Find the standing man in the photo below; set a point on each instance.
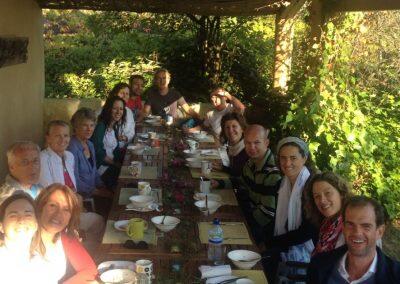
(360, 260)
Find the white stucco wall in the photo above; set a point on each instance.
(21, 85)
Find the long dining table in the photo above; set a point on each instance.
(176, 255)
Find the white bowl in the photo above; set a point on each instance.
(192, 153)
(212, 206)
(244, 259)
(137, 149)
(120, 276)
(169, 223)
(141, 200)
(194, 162)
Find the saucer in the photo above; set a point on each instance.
(121, 225)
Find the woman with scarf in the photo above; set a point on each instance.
(325, 196)
(293, 233)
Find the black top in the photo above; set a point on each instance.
(159, 104)
(322, 267)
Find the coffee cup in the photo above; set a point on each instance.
(205, 185)
(193, 145)
(145, 267)
(152, 135)
(144, 188)
(136, 228)
(135, 169)
(206, 167)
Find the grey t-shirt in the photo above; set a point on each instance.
(162, 105)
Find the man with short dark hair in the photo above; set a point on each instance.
(360, 260)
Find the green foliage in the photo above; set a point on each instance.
(352, 125)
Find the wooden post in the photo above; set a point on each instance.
(316, 25)
(284, 32)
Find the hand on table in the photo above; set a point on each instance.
(214, 183)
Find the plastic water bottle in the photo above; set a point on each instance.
(216, 249)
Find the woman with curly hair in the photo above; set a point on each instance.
(325, 197)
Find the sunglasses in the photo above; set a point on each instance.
(129, 244)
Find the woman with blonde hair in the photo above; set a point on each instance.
(66, 259)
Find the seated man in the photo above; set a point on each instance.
(163, 100)
(257, 186)
(24, 166)
(359, 260)
(223, 103)
(136, 82)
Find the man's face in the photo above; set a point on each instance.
(25, 167)
(58, 138)
(360, 230)
(218, 99)
(162, 80)
(256, 144)
(137, 87)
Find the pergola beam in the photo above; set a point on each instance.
(284, 32)
(363, 5)
(205, 7)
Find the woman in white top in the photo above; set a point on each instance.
(58, 166)
(109, 153)
(18, 225)
(127, 130)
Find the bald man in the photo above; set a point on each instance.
(258, 184)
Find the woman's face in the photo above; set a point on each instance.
(161, 80)
(19, 222)
(326, 198)
(58, 138)
(56, 213)
(124, 94)
(291, 161)
(85, 129)
(233, 131)
(117, 111)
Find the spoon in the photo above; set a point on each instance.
(163, 219)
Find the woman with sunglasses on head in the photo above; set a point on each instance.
(325, 196)
(66, 260)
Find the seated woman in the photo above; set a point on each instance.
(65, 259)
(88, 181)
(163, 100)
(108, 152)
(233, 126)
(325, 196)
(58, 166)
(127, 130)
(293, 233)
(18, 225)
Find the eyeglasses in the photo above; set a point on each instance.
(129, 244)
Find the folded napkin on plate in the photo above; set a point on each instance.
(214, 271)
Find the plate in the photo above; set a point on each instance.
(143, 135)
(211, 196)
(116, 264)
(121, 225)
(139, 209)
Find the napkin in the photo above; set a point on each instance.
(214, 271)
(219, 279)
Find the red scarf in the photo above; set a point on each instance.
(328, 235)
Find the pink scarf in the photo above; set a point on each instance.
(328, 235)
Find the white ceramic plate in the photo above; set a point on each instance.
(121, 225)
(211, 196)
(116, 264)
(140, 209)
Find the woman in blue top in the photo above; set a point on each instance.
(88, 180)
